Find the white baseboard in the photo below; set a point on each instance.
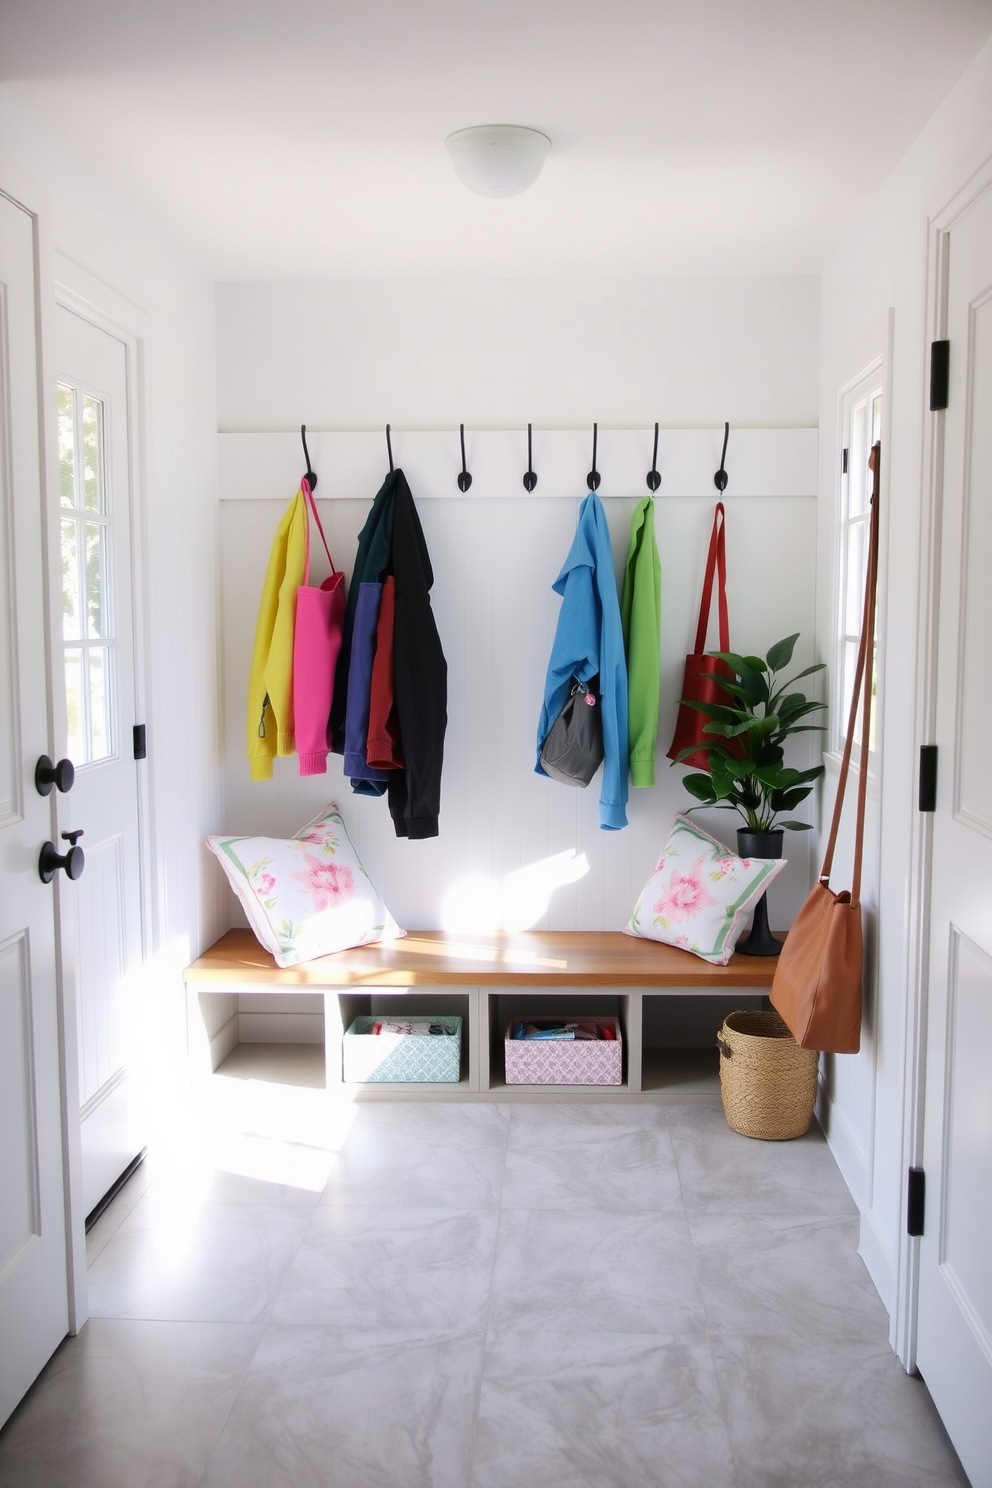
(848, 1153)
(853, 1164)
(878, 1258)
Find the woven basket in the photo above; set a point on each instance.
(767, 1082)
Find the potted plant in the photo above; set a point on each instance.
(746, 758)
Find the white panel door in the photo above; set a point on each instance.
(33, 1292)
(96, 661)
(955, 1313)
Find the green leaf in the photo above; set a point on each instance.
(780, 654)
(796, 826)
(812, 774)
(788, 800)
(791, 713)
(700, 786)
(820, 666)
(772, 777)
(729, 685)
(757, 687)
(756, 664)
(715, 710)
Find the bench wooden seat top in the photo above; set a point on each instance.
(535, 958)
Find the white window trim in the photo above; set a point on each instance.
(873, 374)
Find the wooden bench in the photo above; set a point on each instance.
(484, 978)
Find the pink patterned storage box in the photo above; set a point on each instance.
(564, 1061)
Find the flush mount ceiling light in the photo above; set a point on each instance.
(497, 159)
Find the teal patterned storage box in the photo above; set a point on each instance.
(413, 1058)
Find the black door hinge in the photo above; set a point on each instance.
(940, 369)
(916, 1198)
(928, 777)
(844, 464)
(140, 748)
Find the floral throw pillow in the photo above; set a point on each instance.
(700, 894)
(306, 896)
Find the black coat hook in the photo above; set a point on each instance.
(530, 479)
(311, 476)
(654, 479)
(720, 479)
(592, 479)
(389, 449)
(464, 480)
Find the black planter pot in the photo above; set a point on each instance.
(761, 941)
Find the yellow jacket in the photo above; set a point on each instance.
(270, 686)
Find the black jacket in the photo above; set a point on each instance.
(421, 675)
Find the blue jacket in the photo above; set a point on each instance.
(588, 640)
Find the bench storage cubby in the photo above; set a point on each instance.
(485, 980)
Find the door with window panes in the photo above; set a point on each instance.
(101, 943)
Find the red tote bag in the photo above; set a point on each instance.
(696, 687)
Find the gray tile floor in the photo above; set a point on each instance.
(476, 1296)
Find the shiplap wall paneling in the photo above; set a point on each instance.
(495, 561)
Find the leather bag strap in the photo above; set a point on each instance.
(716, 562)
(861, 696)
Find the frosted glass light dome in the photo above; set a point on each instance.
(497, 159)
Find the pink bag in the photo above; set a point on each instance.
(316, 644)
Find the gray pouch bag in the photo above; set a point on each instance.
(573, 750)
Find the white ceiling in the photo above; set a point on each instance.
(277, 139)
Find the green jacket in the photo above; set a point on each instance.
(640, 616)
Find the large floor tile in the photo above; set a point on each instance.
(409, 1156)
(128, 1405)
(321, 1407)
(786, 1278)
(598, 1410)
(628, 1170)
(829, 1414)
(456, 1123)
(723, 1172)
(210, 1262)
(577, 1271)
(391, 1268)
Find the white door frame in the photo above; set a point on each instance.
(79, 292)
(914, 1043)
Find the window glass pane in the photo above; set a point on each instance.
(876, 418)
(96, 577)
(71, 619)
(93, 453)
(67, 448)
(857, 486)
(857, 535)
(850, 667)
(873, 721)
(99, 698)
(74, 707)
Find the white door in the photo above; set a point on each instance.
(955, 1311)
(102, 941)
(33, 1291)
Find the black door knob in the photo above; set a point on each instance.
(50, 860)
(46, 775)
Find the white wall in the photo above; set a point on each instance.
(502, 353)
(880, 266)
(168, 304)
